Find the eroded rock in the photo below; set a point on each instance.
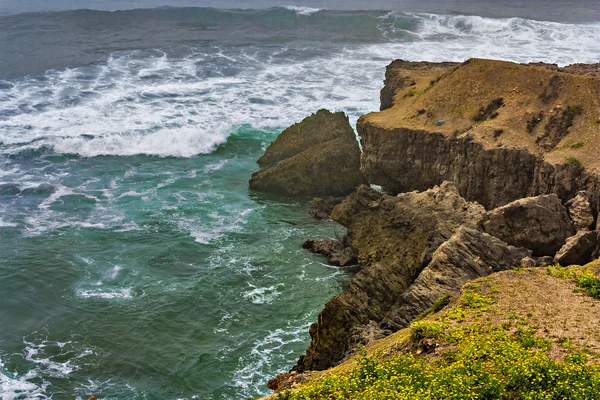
(321, 208)
(316, 157)
(467, 255)
(578, 249)
(336, 252)
(394, 238)
(538, 223)
(580, 212)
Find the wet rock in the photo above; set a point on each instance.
(316, 157)
(580, 211)
(321, 208)
(578, 249)
(467, 255)
(394, 238)
(538, 223)
(336, 252)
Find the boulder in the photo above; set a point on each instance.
(316, 157)
(578, 249)
(321, 208)
(394, 238)
(336, 252)
(580, 212)
(467, 255)
(538, 223)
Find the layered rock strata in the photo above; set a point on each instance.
(541, 138)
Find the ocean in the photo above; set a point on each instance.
(134, 261)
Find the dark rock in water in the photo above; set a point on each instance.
(578, 249)
(337, 253)
(43, 189)
(467, 255)
(316, 157)
(538, 223)
(394, 238)
(9, 189)
(580, 211)
(321, 208)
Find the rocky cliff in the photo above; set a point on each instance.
(484, 166)
(500, 131)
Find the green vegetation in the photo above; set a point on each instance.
(471, 350)
(574, 162)
(585, 279)
(577, 145)
(489, 112)
(438, 305)
(534, 121)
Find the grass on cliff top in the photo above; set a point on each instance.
(521, 334)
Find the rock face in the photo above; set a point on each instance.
(467, 255)
(580, 212)
(322, 208)
(492, 161)
(337, 252)
(538, 223)
(316, 157)
(578, 249)
(394, 238)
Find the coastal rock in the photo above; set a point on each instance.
(394, 238)
(497, 160)
(580, 212)
(467, 255)
(538, 223)
(321, 208)
(578, 249)
(316, 157)
(336, 252)
(402, 74)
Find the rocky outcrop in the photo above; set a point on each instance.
(580, 212)
(452, 141)
(316, 157)
(432, 133)
(337, 252)
(321, 208)
(467, 255)
(402, 74)
(394, 238)
(538, 223)
(578, 249)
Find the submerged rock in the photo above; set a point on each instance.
(538, 223)
(316, 157)
(578, 249)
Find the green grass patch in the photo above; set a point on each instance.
(484, 363)
(586, 280)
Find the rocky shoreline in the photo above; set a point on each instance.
(483, 166)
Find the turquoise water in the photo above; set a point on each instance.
(157, 277)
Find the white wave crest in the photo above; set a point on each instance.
(106, 294)
(303, 10)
